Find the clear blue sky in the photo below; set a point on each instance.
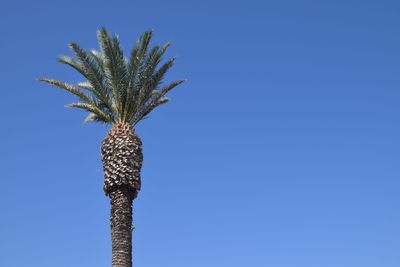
(281, 150)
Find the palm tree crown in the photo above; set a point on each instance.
(118, 90)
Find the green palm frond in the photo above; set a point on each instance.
(147, 109)
(117, 89)
(99, 59)
(169, 87)
(92, 73)
(149, 81)
(115, 69)
(135, 70)
(69, 88)
(158, 98)
(93, 109)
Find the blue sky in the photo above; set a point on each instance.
(281, 150)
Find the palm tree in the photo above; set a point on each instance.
(119, 92)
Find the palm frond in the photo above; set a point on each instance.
(92, 109)
(70, 88)
(147, 82)
(160, 73)
(90, 70)
(152, 83)
(158, 99)
(99, 58)
(170, 86)
(146, 110)
(86, 85)
(88, 65)
(115, 68)
(135, 69)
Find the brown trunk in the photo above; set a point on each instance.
(122, 161)
(121, 227)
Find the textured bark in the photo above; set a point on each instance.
(122, 161)
(121, 227)
(122, 158)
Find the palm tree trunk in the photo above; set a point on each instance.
(121, 227)
(122, 161)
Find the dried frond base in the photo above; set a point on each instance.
(122, 159)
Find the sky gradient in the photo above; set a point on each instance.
(282, 149)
